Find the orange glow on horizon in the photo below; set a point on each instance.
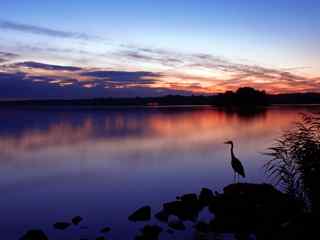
(196, 81)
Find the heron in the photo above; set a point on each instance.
(236, 164)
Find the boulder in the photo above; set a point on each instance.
(34, 235)
(61, 225)
(162, 216)
(105, 230)
(206, 195)
(76, 220)
(186, 209)
(100, 238)
(149, 232)
(142, 214)
(202, 227)
(177, 225)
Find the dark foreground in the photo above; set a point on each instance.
(248, 211)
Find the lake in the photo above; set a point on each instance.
(104, 163)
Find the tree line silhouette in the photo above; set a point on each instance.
(243, 97)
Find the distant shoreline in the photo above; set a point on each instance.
(167, 101)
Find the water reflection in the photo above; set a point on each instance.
(81, 158)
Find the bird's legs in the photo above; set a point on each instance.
(234, 177)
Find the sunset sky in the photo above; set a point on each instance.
(127, 48)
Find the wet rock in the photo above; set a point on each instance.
(162, 216)
(202, 227)
(142, 214)
(255, 190)
(177, 225)
(206, 195)
(255, 208)
(186, 209)
(170, 231)
(100, 238)
(34, 235)
(76, 220)
(61, 225)
(172, 207)
(105, 230)
(191, 197)
(149, 232)
(217, 193)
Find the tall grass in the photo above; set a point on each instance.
(295, 161)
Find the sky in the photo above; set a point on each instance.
(125, 48)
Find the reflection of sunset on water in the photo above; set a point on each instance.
(111, 155)
(117, 134)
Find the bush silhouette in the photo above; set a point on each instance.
(295, 161)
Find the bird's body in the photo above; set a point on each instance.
(235, 163)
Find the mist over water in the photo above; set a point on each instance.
(103, 164)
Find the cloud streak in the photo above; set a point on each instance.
(124, 77)
(46, 66)
(6, 56)
(27, 28)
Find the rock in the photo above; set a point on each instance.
(202, 227)
(76, 220)
(245, 207)
(170, 231)
(142, 214)
(34, 235)
(191, 197)
(206, 195)
(256, 190)
(149, 232)
(217, 193)
(100, 238)
(172, 207)
(61, 225)
(186, 209)
(162, 216)
(105, 230)
(177, 225)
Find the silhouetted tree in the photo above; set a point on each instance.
(243, 97)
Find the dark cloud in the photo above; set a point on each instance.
(124, 77)
(6, 56)
(47, 66)
(9, 25)
(20, 86)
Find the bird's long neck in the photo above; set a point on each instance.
(231, 149)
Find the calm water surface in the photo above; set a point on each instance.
(104, 163)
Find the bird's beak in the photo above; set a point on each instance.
(226, 143)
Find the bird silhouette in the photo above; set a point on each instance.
(236, 164)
